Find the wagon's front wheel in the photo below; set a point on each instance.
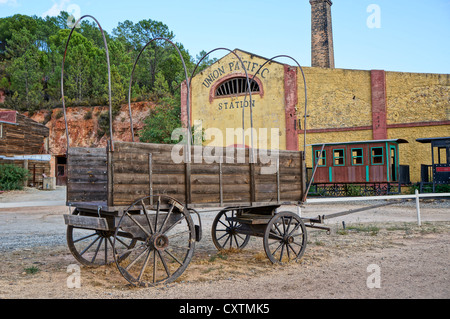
(165, 233)
(285, 238)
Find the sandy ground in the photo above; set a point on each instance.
(382, 254)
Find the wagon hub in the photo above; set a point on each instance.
(288, 239)
(159, 241)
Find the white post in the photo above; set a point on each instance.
(299, 211)
(419, 222)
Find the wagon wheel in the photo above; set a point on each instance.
(285, 238)
(224, 231)
(166, 235)
(93, 247)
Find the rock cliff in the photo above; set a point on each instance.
(83, 125)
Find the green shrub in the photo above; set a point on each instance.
(12, 177)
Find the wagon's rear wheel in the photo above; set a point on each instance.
(224, 231)
(285, 238)
(94, 248)
(165, 233)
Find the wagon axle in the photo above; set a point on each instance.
(158, 241)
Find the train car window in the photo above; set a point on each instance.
(377, 156)
(321, 158)
(357, 156)
(339, 157)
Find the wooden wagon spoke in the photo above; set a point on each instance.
(226, 234)
(167, 217)
(106, 251)
(277, 229)
(301, 245)
(174, 224)
(139, 225)
(119, 240)
(83, 238)
(174, 258)
(154, 266)
(295, 228)
(282, 249)
(236, 241)
(226, 241)
(129, 250)
(224, 224)
(158, 205)
(293, 250)
(164, 263)
(275, 236)
(280, 244)
(288, 226)
(87, 248)
(144, 266)
(148, 219)
(178, 234)
(96, 251)
(136, 259)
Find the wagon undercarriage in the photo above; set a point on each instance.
(154, 243)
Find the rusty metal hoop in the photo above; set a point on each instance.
(109, 80)
(188, 148)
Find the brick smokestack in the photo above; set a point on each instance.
(322, 52)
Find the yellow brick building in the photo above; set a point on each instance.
(343, 106)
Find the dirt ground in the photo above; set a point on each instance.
(384, 246)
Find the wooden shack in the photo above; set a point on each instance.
(22, 142)
(20, 135)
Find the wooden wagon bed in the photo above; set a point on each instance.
(111, 180)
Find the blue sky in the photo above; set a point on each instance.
(407, 35)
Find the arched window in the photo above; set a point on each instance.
(236, 86)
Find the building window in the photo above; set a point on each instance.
(377, 156)
(339, 157)
(321, 158)
(357, 156)
(236, 86)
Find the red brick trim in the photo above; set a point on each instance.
(337, 129)
(365, 128)
(379, 117)
(418, 124)
(290, 100)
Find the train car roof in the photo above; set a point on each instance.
(400, 141)
(431, 139)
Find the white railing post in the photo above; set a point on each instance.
(419, 222)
